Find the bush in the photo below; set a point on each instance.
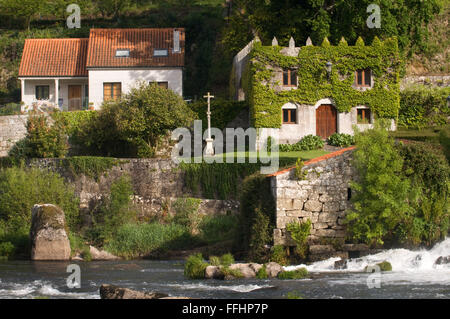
(307, 143)
(262, 273)
(381, 193)
(139, 240)
(227, 260)
(115, 211)
(423, 106)
(278, 255)
(299, 233)
(186, 213)
(42, 140)
(300, 273)
(341, 139)
(195, 267)
(22, 188)
(133, 125)
(384, 266)
(6, 249)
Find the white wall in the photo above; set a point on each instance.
(29, 94)
(129, 78)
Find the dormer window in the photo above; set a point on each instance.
(363, 78)
(289, 78)
(160, 52)
(122, 53)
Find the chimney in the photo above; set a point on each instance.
(176, 41)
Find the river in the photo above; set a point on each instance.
(414, 275)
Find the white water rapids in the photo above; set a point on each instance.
(408, 266)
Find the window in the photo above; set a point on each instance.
(112, 91)
(122, 53)
(160, 52)
(289, 116)
(290, 78)
(363, 116)
(42, 92)
(363, 77)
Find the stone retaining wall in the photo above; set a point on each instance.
(322, 197)
(157, 183)
(430, 80)
(12, 129)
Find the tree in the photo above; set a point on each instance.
(133, 125)
(24, 9)
(113, 8)
(329, 18)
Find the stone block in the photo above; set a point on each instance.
(320, 249)
(331, 207)
(327, 217)
(313, 206)
(320, 225)
(330, 233)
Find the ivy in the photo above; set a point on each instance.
(90, 166)
(382, 57)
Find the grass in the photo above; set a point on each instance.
(429, 134)
(300, 273)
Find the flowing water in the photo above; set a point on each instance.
(414, 275)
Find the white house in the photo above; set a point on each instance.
(77, 74)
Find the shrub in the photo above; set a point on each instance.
(133, 125)
(384, 266)
(278, 255)
(381, 193)
(423, 106)
(22, 188)
(299, 233)
(300, 273)
(341, 139)
(299, 172)
(307, 143)
(195, 267)
(227, 260)
(10, 109)
(262, 273)
(214, 261)
(186, 213)
(6, 249)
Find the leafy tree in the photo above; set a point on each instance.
(24, 9)
(114, 8)
(381, 192)
(133, 125)
(329, 18)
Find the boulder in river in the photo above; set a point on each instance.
(245, 269)
(97, 254)
(340, 264)
(114, 292)
(213, 272)
(442, 260)
(48, 233)
(273, 269)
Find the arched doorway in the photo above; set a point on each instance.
(326, 120)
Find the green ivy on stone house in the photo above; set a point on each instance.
(314, 83)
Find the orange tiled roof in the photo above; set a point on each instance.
(54, 57)
(103, 44)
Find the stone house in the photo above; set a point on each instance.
(76, 74)
(317, 90)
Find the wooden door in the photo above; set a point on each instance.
(75, 97)
(326, 120)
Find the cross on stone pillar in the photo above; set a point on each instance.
(209, 150)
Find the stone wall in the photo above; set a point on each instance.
(430, 80)
(157, 183)
(12, 130)
(322, 197)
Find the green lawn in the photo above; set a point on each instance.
(427, 134)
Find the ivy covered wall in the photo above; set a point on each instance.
(260, 84)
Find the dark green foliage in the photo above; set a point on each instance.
(262, 273)
(257, 217)
(422, 106)
(300, 273)
(444, 140)
(134, 125)
(341, 139)
(278, 254)
(6, 249)
(186, 213)
(42, 140)
(222, 111)
(115, 211)
(227, 260)
(195, 267)
(307, 143)
(219, 228)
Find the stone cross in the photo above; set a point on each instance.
(209, 150)
(274, 41)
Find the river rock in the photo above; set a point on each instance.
(114, 292)
(442, 260)
(97, 254)
(273, 269)
(255, 267)
(340, 264)
(244, 269)
(213, 272)
(49, 240)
